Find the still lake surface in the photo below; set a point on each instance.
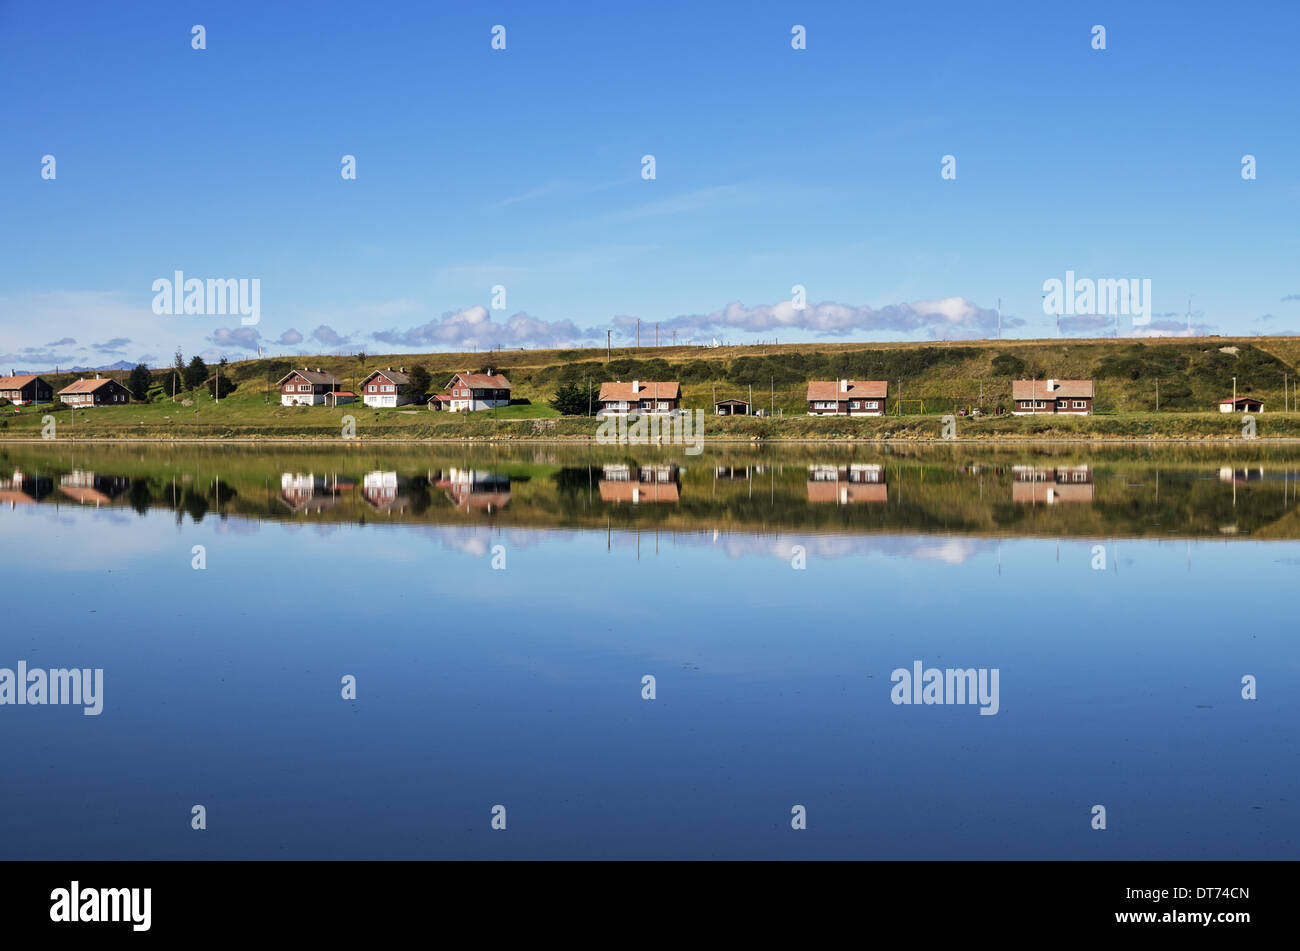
(499, 607)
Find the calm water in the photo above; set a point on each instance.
(1120, 596)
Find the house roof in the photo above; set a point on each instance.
(633, 491)
(391, 375)
(480, 381)
(823, 490)
(732, 400)
(87, 386)
(1037, 390)
(1242, 399)
(611, 392)
(858, 389)
(312, 376)
(17, 382)
(440, 396)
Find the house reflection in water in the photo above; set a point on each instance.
(380, 490)
(22, 489)
(306, 492)
(90, 488)
(656, 483)
(845, 485)
(1035, 484)
(1240, 476)
(475, 490)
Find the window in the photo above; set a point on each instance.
(1040, 404)
(872, 404)
(388, 389)
(1080, 404)
(855, 405)
(304, 387)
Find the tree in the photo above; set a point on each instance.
(139, 382)
(177, 375)
(420, 382)
(221, 380)
(196, 374)
(573, 399)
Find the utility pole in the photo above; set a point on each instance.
(638, 333)
(656, 333)
(1234, 394)
(999, 318)
(1157, 396)
(607, 333)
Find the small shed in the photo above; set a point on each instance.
(1242, 404)
(732, 408)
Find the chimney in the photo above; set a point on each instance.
(844, 386)
(636, 387)
(1051, 386)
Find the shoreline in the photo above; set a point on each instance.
(707, 440)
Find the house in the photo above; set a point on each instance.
(23, 489)
(844, 485)
(847, 397)
(21, 390)
(475, 490)
(475, 391)
(639, 396)
(1052, 396)
(307, 492)
(307, 387)
(1242, 404)
(388, 388)
(97, 391)
(1035, 484)
(732, 408)
(91, 488)
(382, 491)
(440, 403)
(652, 483)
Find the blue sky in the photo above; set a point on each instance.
(774, 167)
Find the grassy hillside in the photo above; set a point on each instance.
(1189, 374)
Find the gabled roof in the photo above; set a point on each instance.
(858, 389)
(731, 400)
(619, 392)
(480, 381)
(1037, 390)
(439, 397)
(392, 376)
(311, 376)
(88, 386)
(18, 382)
(1242, 399)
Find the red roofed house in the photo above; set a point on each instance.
(21, 390)
(308, 387)
(100, 391)
(1242, 404)
(620, 399)
(388, 388)
(475, 391)
(1052, 396)
(847, 397)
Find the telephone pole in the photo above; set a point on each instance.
(999, 318)
(638, 333)
(607, 346)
